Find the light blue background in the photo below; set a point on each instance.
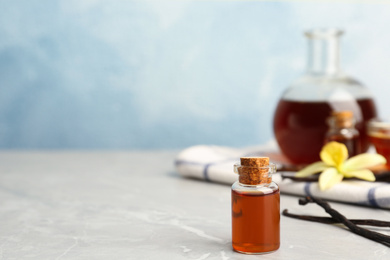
(167, 74)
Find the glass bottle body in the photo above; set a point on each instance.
(379, 133)
(342, 130)
(300, 117)
(255, 218)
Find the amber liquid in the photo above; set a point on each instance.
(352, 143)
(382, 146)
(255, 222)
(300, 127)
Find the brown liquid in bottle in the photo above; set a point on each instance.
(300, 127)
(352, 144)
(382, 146)
(256, 220)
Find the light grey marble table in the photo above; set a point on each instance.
(133, 205)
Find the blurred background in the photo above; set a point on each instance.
(161, 74)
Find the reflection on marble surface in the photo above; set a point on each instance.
(119, 205)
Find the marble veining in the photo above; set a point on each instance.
(116, 205)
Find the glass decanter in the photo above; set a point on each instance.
(300, 117)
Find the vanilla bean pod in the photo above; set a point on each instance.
(313, 178)
(372, 235)
(378, 237)
(327, 220)
(383, 176)
(380, 176)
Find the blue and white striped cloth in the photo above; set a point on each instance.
(215, 164)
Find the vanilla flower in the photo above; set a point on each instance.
(334, 166)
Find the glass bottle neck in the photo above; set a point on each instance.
(323, 57)
(254, 186)
(341, 123)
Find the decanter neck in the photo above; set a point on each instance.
(323, 58)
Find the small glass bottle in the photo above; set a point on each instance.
(379, 133)
(255, 207)
(342, 130)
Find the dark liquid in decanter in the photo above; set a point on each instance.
(300, 126)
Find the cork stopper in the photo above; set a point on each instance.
(254, 170)
(341, 119)
(342, 114)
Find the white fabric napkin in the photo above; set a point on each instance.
(215, 164)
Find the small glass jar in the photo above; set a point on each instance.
(342, 130)
(255, 210)
(379, 133)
